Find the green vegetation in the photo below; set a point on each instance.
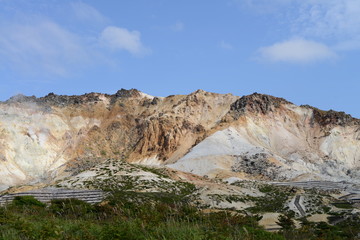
(314, 202)
(27, 201)
(161, 208)
(158, 171)
(228, 198)
(155, 215)
(125, 215)
(345, 205)
(114, 175)
(286, 222)
(274, 199)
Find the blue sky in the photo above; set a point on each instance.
(306, 51)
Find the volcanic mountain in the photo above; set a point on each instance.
(214, 135)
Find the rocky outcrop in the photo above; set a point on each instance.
(256, 103)
(163, 136)
(123, 93)
(63, 100)
(53, 99)
(331, 117)
(20, 98)
(257, 165)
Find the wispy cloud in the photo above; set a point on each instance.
(117, 38)
(39, 44)
(330, 23)
(178, 26)
(262, 6)
(86, 12)
(296, 51)
(328, 18)
(225, 45)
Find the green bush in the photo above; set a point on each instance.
(273, 201)
(27, 201)
(71, 207)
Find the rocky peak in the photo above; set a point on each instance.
(198, 92)
(124, 93)
(64, 100)
(20, 98)
(53, 99)
(331, 117)
(257, 103)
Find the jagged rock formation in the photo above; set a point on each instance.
(218, 135)
(256, 103)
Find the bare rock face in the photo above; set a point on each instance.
(332, 117)
(256, 103)
(218, 135)
(63, 100)
(21, 98)
(162, 136)
(123, 93)
(257, 165)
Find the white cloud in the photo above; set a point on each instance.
(226, 45)
(40, 44)
(315, 18)
(86, 12)
(117, 38)
(328, 18)
(44, 47)
(296, 51)
(178, 26)
(333, 22)
(36, 44)
(336, 20)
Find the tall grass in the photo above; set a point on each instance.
(130, 215)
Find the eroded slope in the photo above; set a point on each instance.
(218, 135)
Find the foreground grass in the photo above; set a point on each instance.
(130, 215)
(125, 215)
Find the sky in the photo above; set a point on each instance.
(306, 51)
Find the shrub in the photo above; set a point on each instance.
(285, 222)
(71, 207)
(27, 201)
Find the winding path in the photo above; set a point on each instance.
(298, 206)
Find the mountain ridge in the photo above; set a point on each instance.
(54, 136)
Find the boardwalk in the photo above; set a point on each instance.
(46, 195)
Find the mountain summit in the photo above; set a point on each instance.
(215, 135)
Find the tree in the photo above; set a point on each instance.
(286, 222)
